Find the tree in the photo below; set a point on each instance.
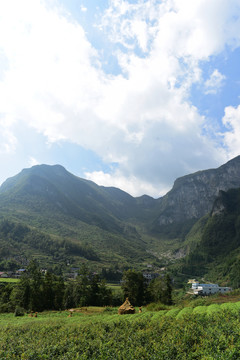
(99, 294)
(5, 297)
(48, 291)
(21, 293)
(36, 294)
(59, 289)
(94, 290)
(81, 287)
(160, 289)
(68, 299)
(105, 296)
(134, 287)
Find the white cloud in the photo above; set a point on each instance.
(231, 137)
(131, 184)
(83, 8)
(142, 118)
(32, 161)
(8, 140)
(214, 83)
(198, 28)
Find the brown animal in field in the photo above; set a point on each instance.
(140, 309)
(35, 315)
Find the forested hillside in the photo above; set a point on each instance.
(214, 244)
(50, 214)
(72, 213)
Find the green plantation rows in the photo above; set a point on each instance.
(202, 332)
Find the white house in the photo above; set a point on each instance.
(208, 289)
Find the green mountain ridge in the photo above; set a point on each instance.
(109, 227)
(50, 199)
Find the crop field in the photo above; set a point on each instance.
(204, 332)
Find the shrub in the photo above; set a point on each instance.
(184, 312)
(19, 311)
(213, 308)
(172, 313)
(200, 309)
(157, 307)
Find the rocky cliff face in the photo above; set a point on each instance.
(192, 196)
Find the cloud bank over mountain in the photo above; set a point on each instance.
(140, 118)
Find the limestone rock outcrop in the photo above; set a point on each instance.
(192, 196)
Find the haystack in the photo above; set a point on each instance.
(126, 308)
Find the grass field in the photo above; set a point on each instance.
(204, 332)
(114, 287)
(8, 280)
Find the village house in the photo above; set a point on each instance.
(3, 274)
(208, 289)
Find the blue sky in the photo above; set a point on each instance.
(131, 94)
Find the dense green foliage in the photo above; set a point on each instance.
(36, 291)
(215, 253)
(160, 290)
(20, 241)
(139, 291)
(207, 334)
(134, 287)
(87, 289)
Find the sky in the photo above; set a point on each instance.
(131, 94)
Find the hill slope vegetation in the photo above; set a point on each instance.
(107, 226)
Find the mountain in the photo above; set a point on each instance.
(63, 192)
(105, 224)
(54, 201)
(192, 196)
(58, 190)
(214, 244)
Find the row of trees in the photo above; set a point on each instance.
(37, 291)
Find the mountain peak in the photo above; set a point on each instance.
(192, 195)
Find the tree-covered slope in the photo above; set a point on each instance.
(51, 188)
(121, 228)
(53, 201)
(214, 246)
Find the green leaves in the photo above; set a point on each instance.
(146, 336)
(134, 287)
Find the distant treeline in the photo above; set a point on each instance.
(38, 291)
